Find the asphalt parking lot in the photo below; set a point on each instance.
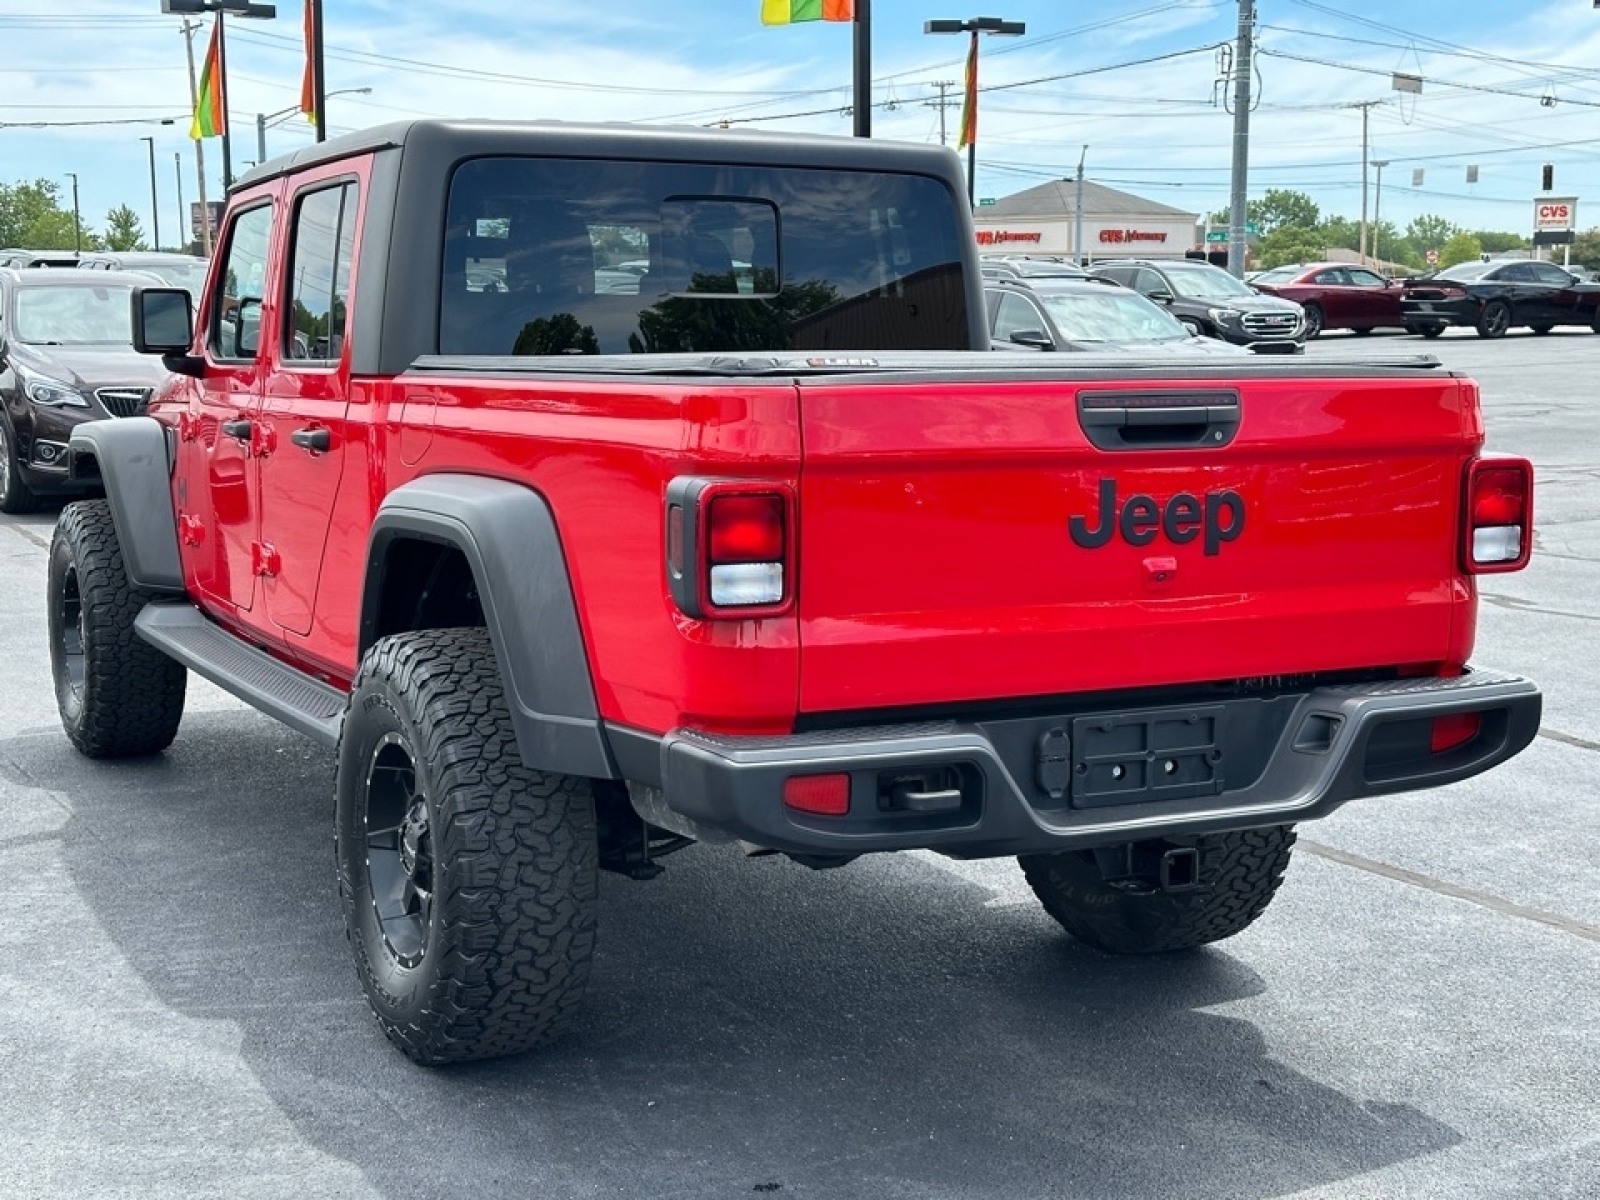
(1417, 1015)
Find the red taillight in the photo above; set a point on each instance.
(1452, 731)
(745, 529)
(826, 795)
(730, 547)
(1498, 532)
(1499, 496)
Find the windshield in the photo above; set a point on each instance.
(191, 277)
(98, 314)
(1213, 281)
(1111, 315)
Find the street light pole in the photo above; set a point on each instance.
(969, 111)
(1377, 206)
(177, 175)
(264, 121)
(77, 220)
(1077, 221)
(155, 209)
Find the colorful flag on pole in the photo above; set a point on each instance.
(308, 80)
(788, 12)
(969, 101)
(210, 107)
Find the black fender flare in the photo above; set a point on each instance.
(507, 533)
(134, 456)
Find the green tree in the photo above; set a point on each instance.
(1499, 243)
(1290, 245)
(1586, 248)
(1341, 233)
(31, 217)
(1462, 247)
(1430, 232)
(1278, 209)
(123, 230)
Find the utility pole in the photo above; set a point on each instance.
(1377, 210)
(1238, 196)
(861, 67)
(942, 103)
(1077, 223)
(199, 149)
(77, 220)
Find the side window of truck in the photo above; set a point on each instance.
(322, 241)
(235, 328)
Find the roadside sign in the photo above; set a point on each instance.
(1554, 214)
(1216, 235)
(1433, 258)
(985, 201)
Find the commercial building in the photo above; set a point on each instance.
(1043, 220)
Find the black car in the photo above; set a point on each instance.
(66, 356)
(1085, 314)
(1212, 303)
(1493, 297)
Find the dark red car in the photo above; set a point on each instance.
(1336, 296)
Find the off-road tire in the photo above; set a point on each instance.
(1314, 320)
(119, 696)
(488, 952)
(15, 495)
(1239, 872)
(1494, 320)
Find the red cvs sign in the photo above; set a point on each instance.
(1554, 214)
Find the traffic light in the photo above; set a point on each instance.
(1549, 168)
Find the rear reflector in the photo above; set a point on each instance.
(1499, 512)
(826, 795)
(1452, 731)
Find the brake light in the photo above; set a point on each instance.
(729, 546)
(1498, 530)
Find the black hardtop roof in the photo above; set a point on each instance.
(460, 139)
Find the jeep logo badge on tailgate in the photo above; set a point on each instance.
(1184, 517)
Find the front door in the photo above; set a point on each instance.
(218, 507)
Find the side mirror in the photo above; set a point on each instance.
(163, 323)
(1161, 296)
(162, 320)
(1037, 338)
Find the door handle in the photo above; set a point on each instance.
(314, 440)
(240, 429)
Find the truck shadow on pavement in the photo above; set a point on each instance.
(752, 1026)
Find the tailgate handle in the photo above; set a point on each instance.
(1175, 420)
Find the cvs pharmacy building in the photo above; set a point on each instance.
(1043, 220)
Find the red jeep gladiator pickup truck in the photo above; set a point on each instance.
(590, 491)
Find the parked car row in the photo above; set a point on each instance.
(1281, 309)
(1491, 297)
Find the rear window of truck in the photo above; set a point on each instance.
(558, 256)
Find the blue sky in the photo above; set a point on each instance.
(1507, 87)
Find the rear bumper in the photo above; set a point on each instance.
(1439, 312)
(1276, 759)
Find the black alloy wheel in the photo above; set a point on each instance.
(1494, 320)
(399, 846)
(1314, 320)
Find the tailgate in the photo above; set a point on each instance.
(967, 541)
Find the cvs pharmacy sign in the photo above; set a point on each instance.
(1553, 215)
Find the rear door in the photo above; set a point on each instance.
(306, 393)
(962, 541)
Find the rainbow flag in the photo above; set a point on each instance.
(788, 12)
(211, 108)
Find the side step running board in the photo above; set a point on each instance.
(307, 705)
